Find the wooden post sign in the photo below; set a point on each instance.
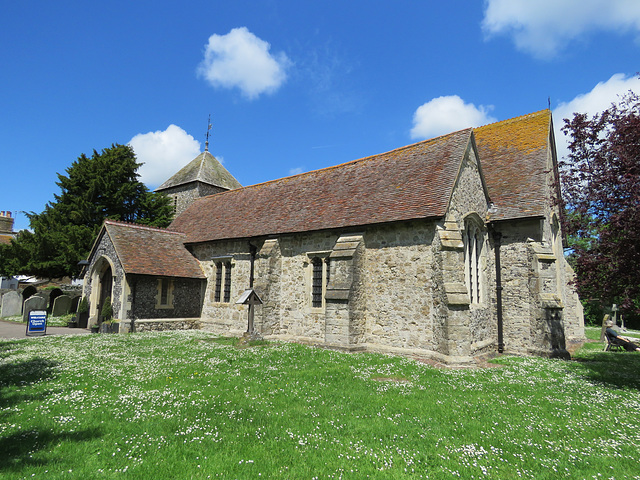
(251, 298)
(37, 323)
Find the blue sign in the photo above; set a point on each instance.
(37, 324)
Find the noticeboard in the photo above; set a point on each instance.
(37, 323)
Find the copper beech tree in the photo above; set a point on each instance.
(601, 195)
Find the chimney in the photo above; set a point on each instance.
(6, 223)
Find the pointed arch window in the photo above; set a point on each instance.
(473, 250)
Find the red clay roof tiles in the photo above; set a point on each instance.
(152, 251)
(407, 183)
(514, 158)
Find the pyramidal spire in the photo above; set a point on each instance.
(206, 143)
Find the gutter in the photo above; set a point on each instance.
(497, 236)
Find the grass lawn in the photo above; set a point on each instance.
(186, 405)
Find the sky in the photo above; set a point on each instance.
(291, 86)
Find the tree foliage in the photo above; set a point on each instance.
(601, 193)
(94, 188)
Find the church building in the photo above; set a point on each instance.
(446, 249)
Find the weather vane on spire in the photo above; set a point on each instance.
(206, 144)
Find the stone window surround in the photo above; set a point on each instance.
(223, 267)
(168, 301)
(323, 256)
(474, 248)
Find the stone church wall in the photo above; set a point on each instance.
(519, 284)
(402, 287)
(399, 278)
(104, 250)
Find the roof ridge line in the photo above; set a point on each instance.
(142, 227)
(204, 155)
(333, 167)
(519, 117)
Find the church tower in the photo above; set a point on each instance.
(203, 176)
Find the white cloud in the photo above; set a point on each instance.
(544, 27)
(598, 99)
(240, 59)
(296, 171)
(447, 114)
(163, 153)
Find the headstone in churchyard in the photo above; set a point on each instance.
(11, 304)
(61, 306)
(74, 303)
(53, 294)
(33, 303)
(44, 294)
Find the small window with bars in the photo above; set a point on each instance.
(222, 286)
(316, 285)
(320, 276)
(227, 282)
(218, 286)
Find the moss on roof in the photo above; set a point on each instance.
(413, 182)
(514, 155)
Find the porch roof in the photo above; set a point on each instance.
(153, 251)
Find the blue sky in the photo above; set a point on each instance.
(291, 86)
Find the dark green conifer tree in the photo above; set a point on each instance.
(94, 188)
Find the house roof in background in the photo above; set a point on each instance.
(5, 239)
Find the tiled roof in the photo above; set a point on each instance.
(152, 251)
(513, 154)
(5, 239)
(204, 168)
(412, 182)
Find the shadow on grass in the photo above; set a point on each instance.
(26, 372)
(8, 346)
(21, 374)
(615, 369)
(18, 449)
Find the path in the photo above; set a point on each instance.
(19, 330)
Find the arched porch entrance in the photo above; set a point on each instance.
(101, 288)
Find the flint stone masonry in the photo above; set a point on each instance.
(61, 306)
(161, 325)
(184, 195)
(105, 257)
(11, 304)
(186, 298)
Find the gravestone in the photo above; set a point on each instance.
(11, 304)
(74, 303)
(33, 303)
(28, 292)
(53, 294)
(61, 306)
(43, 294)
